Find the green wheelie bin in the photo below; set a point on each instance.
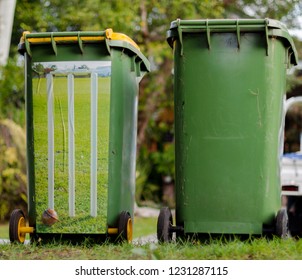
(229, 88)
(81, 119)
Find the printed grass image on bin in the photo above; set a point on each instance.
(229, 88)
(81, 109)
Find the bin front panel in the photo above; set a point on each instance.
(81, 108)
(71, 109)
(228, 111)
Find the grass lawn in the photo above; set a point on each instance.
(4, 231)
(216, 249)
(256, 249)
(144, 226)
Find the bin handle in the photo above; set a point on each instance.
(110, 35)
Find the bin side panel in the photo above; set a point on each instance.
(228, 117)
(30, 143)
(123, 130)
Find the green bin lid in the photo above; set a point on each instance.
(111, 39)
(272, 28)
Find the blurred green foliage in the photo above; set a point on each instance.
(12, 168)
(12, 91)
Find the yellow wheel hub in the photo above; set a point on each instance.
(21, 234)
(129, 230)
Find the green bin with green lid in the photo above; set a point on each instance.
(81, 119)
(229, 88)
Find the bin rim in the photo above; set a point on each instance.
(273, 28)
(111, 39)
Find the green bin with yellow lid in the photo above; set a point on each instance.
(81, 118)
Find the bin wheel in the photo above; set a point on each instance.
(282, 224)
(16, 221)
(164, 224)
(125, 227)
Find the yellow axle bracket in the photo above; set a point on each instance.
(112, 230)
(26, 229)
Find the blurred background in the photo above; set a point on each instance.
(145, 21)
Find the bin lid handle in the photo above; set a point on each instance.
(119, 37)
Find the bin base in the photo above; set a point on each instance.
(223, 227)
(69, 238)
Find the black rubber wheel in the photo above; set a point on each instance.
(282, 223)
(164, 224)
(17, 220)
(125, 227)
